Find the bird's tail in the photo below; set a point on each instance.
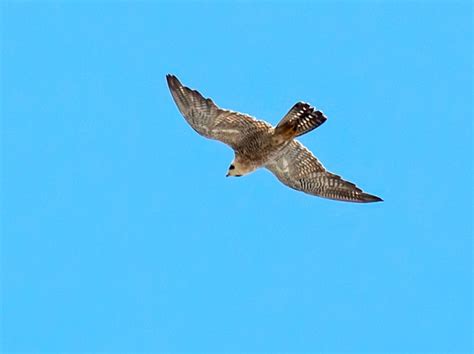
(300, 119)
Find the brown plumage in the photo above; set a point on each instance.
(257, 144)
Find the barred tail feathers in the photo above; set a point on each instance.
(300, 119)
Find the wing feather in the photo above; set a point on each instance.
(299, 169)
(206, 118)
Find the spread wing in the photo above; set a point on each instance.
(209, 120)
(299, 169)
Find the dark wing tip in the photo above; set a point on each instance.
(172, 81)
(369, 198)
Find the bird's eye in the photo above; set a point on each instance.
(231, 167)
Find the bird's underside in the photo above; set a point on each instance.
(257, 144)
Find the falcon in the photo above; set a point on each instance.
(257, 143)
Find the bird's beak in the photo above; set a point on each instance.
(227, 175)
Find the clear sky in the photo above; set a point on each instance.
(121, 233)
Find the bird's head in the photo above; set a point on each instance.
(238, 169)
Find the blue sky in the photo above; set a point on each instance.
(120, 232)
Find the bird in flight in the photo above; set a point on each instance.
(257, 143)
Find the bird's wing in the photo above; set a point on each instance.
(299, 169)
(209, 120)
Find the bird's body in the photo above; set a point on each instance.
(257, 144)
